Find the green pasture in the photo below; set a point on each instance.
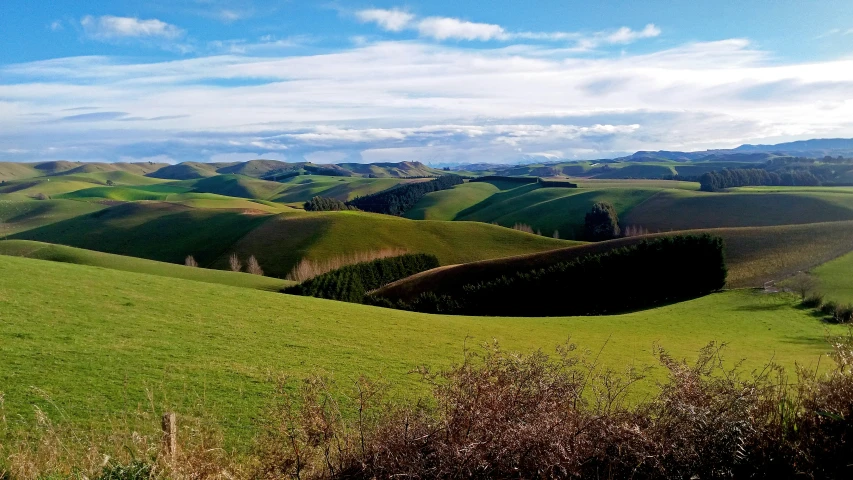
(88, 345)
(79, 256)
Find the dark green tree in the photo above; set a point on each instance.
(601, 223)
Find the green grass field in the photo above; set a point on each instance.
(836, 279)
(100, 342)
(79, 256)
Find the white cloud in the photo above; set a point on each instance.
(56, 26)
(393, 20)
(111, 27)
(421, 100)
(442, 28)
(448, 28)
(626, 35)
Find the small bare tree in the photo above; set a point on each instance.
(253, 267)
(803, 284)
(190, 261)
(235, 263)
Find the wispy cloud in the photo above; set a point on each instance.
(109, 27)
(448, 28)
(56, 26)
(393, 20)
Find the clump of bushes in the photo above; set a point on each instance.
(325, 204)
(814, 300)
(843, 314)
(352, 283)
(638, 276)
(504, 415)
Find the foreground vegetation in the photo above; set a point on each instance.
(501, 415)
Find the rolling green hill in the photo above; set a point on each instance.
(280, 243)
(754, 255)
(680, 210)
(23, 214)
(302, 188)
(158, 231)
(96, 344)
(79, 256)
(170, 231)
(238, 186)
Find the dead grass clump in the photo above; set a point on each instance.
(308, 269)
(45, 450)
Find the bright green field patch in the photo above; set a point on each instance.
(447, 204)
(99, 341)
(836, 279)
(79, 256)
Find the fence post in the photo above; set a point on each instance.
(170, 434)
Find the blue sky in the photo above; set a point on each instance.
(438, 81)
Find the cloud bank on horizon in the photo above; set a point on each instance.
(405, 86)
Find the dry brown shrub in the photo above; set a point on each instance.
(190, 261)
(253, 267)
(234, 263)
(505, 415)
(308, 269)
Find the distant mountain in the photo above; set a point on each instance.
(817, 148)
(803, 145)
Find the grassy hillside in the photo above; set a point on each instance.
(16, 171)
(448, 204)
(680, 210)
(550, 209)
(238, 186)
(79, 256)
(754, 256)
(280, 243)
(23, 214)
(836, 279)
(159, 231)
(185, 171)
(120, 342)
(302, 188)
(170, 231)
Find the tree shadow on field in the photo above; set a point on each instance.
(761, 308)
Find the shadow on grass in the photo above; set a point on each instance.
(761, 308)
